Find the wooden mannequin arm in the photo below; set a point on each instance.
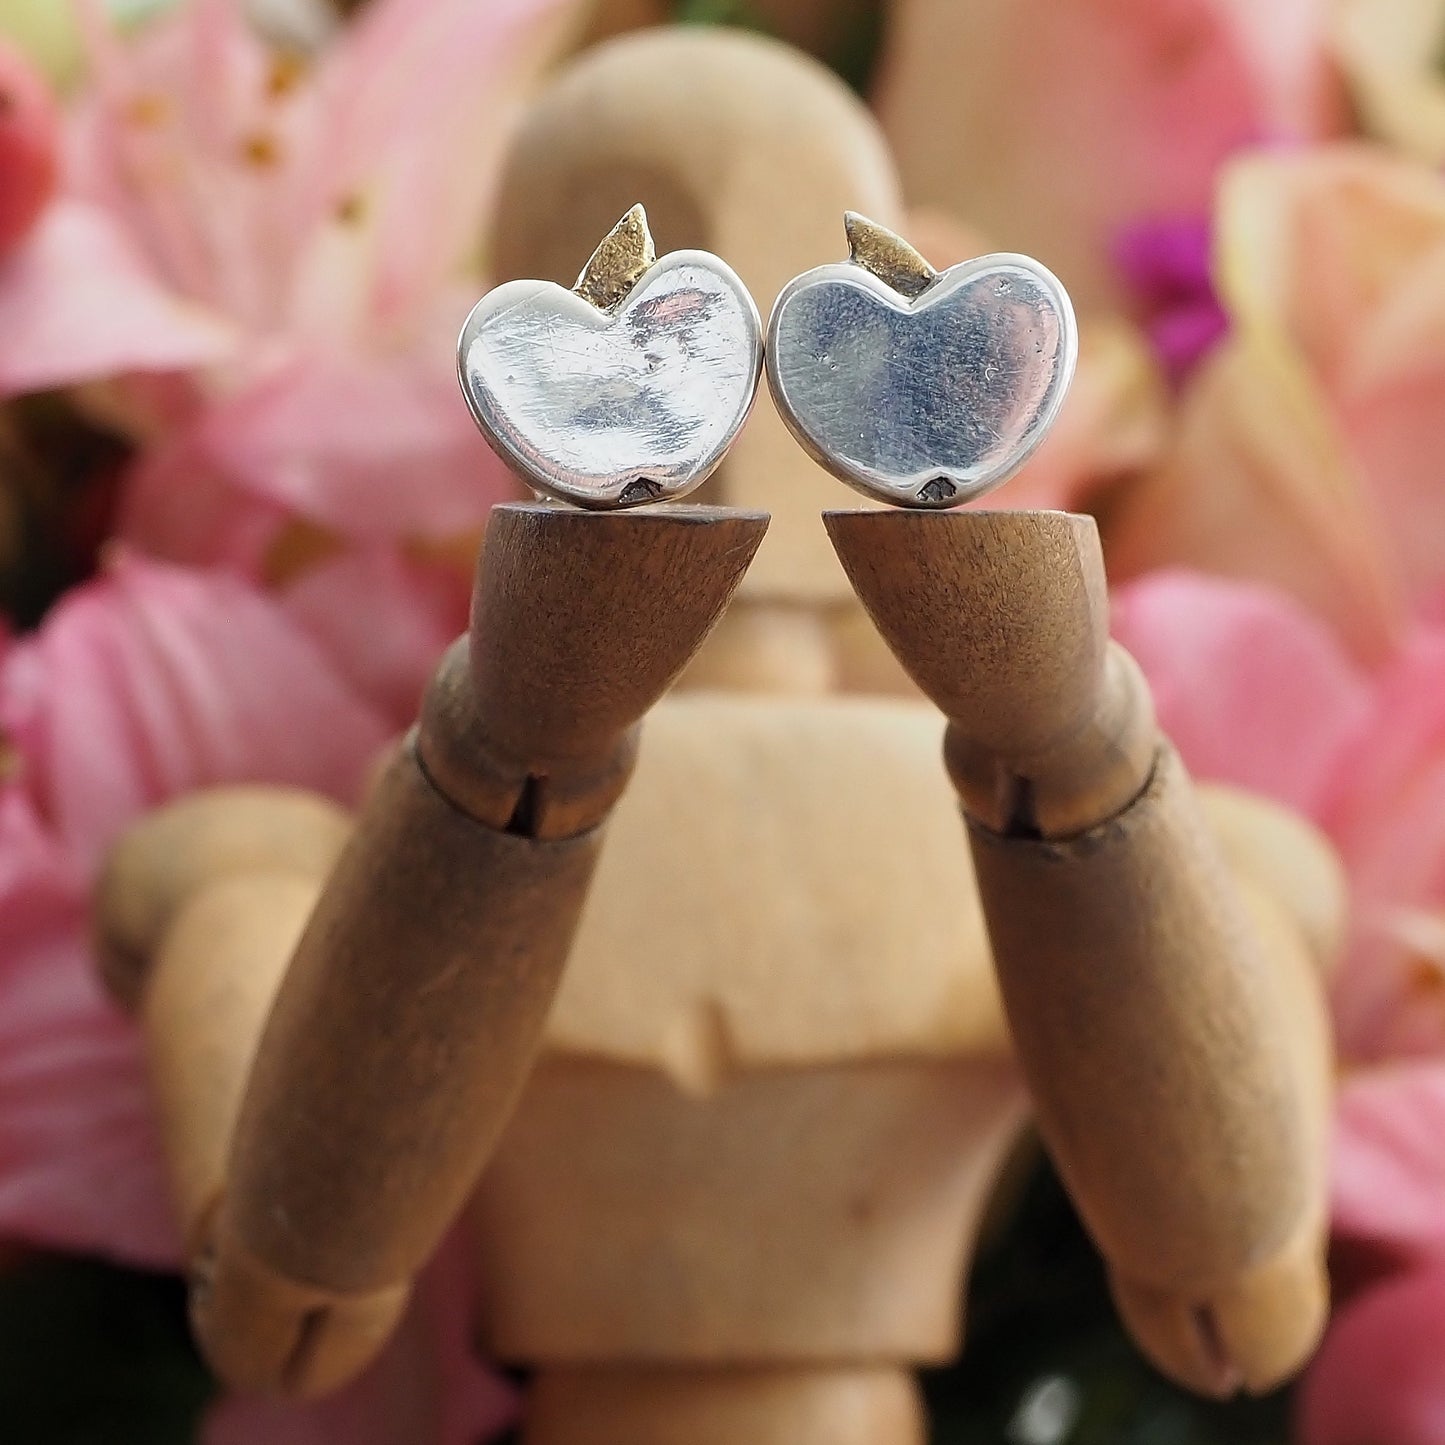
(407, 1018)
(1176, 1057)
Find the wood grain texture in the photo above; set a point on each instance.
(737, 145)
(1171, 1034)
(580, 622)
(1001, 618)
(805, 1215)
(400, 1036)
(413, 1006)
(1147, 1018)
(844, 1405)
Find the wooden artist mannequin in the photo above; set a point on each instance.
(739, 1192)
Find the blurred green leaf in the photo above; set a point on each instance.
(720, 12)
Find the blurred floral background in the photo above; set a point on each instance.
(239, 500)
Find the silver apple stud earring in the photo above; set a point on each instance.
(625, 390)
(919, 387)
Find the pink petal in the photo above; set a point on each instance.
(1389, 1167)
(181, 137)
(146, 682)
(39, 882)
(155, 679)
(1397, 432)
(1378, 1379)
(384, 620)
(428, 1388)
(412, 86)
(177, 504)
(372, 447)
(1252, 689)
(76, 304)
(79, 1168)
(1258, 484)
(1386, 812)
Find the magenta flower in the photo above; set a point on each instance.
(1053, 125)
(1165, 263)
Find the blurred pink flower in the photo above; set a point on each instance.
(303, 244)
(1306, 452)
(1377, 1379)
(149, 681)
(1257, 692)
(29, 146)
(1390, 1167)
(1235, 670)
(1051, 126)
(383, 618)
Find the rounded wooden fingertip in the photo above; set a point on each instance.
(171, 853)
(1001, 618)
(737, 145)
(263, 1332)
(1252, 1335)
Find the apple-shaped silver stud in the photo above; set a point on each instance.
(625, 390)
(918, 387)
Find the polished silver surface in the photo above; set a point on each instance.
(926, 402)
(618, 407)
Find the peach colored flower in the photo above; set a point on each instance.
(1389, 52)
(1053, 125)
(1307, 447)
